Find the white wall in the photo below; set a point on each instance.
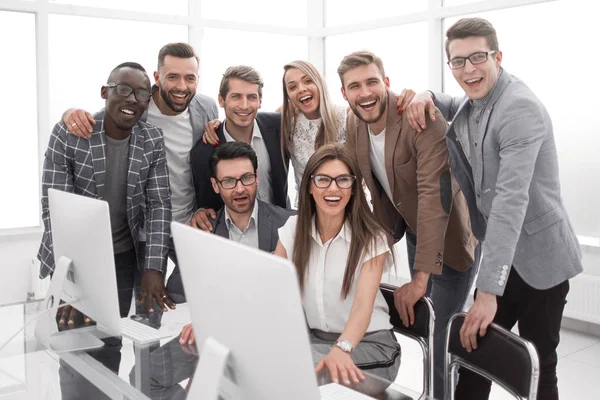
(16, 255)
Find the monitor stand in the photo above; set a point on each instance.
(46, 330)
(214, 378)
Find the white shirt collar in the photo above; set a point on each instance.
(345, 233)
(253, 217)
(255, 133)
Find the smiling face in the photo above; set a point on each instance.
(476, 80)
(241, 103)
(241, 198)
(123, 112)
(365, 89)
(177, 80)
(331, 201)
(303, 92)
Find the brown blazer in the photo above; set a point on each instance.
(426, 196)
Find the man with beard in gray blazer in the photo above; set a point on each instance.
(503, 154)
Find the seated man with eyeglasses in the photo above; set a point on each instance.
(245, 219)
(122, 162)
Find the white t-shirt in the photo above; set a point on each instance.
(377, 158)
(265, 191)
(178, 143)
(323, 305)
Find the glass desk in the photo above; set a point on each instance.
(28, 370)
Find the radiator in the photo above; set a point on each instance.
(583, 300)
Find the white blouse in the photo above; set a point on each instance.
(304, 136)
(322, 301)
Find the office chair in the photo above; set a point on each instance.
(501, 356)
(421, 331)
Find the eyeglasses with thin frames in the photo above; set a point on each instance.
(125, 90)
(230, 183)
(324, 181)
(476, 58)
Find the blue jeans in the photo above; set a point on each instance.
(448, 292)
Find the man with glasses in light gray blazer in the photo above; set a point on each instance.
(503, 154)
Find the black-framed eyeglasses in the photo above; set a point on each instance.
(125, 90)
(324, 181)
(230, 183)
(476, 58)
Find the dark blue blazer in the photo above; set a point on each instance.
(270, 128)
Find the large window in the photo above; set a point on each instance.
(83, 45)
(265, 12)
(345, 12)
(80, 63)
(173, 7)
(449, 3)
(19, 203)
(564, 78)
(267, 53)
(406, 68)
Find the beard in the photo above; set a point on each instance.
(241, 209)
(175, 107)
(357, 111)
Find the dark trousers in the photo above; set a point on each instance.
(539, 314)
(72, 384)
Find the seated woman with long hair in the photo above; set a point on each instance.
(340, 252)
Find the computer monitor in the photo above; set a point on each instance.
(245, 302)
(84, 270)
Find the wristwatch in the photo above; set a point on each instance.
(344, 345)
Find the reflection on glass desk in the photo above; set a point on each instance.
(159, 371)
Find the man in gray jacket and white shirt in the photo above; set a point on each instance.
(503, 154)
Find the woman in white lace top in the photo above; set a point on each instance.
(309, 120)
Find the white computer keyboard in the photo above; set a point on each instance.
(140, 333)
(334, 391)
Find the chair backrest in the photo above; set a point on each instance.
(423, 312)
(501, 356)
(421, 331)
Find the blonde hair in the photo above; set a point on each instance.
(328, 132)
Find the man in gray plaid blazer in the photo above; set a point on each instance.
(122, 162)
(181, 112)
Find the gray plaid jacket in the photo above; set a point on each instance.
(78, 165)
